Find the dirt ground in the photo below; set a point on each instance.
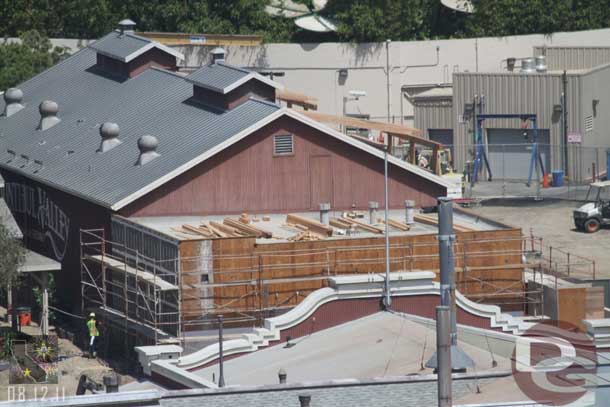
(553, 222)
(73, 363)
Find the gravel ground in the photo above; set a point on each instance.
(552, 221)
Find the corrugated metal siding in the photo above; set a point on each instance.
(436, 114)
(515, 93)
(559, 58)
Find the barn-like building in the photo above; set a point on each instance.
(116, 130)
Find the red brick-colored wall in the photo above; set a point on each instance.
(252, 88)
(248, 177)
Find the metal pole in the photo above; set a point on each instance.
(445, 247)
(387, 299)
(564, 116)
(387, 72)
(221, 375)
(443, 352)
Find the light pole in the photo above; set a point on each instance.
(221, 373)
(387, 300)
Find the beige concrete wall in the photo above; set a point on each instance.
(313, 68)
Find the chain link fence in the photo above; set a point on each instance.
(510, 166)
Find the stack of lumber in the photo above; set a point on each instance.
(306, 236)
(396, 225)
(311, 225)
(353, 214)
(229, 228)
(347, 223)
(242, 225)
(432, 220)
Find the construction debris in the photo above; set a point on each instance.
(313, 225)
(306, 236)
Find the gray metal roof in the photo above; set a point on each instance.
(222, 77)
(155, 102)
(405, 394)
(217, 76)
(126, 46)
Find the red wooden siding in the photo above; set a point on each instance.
(248, 177)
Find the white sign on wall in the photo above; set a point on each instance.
(574, 137)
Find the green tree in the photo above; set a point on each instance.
(12, 256)
(22, 60)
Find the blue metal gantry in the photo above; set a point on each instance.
(481, 155)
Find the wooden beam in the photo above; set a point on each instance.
(394, 129)
(312, 224)
(197, 230)
(226, 229)
(395, 224)
(299, 99)
(339, 223)
(364, 226)
(247, 229)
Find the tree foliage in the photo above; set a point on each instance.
(12, 256)
(358, 20)
(22, 60)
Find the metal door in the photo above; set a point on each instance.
(509, 152)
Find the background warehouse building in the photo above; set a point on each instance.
(445, 113)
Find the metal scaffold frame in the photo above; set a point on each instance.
(143, 298)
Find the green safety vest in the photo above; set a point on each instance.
(92, 328)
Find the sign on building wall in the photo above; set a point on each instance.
(574, 137)
(46, 220)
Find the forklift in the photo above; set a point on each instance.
(590, 217)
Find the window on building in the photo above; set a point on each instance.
(283, 144)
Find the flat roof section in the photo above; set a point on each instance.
(381, 345)
(281, 230)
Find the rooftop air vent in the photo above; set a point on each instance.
(127, 26)
(110, 137)
(148, 149)
(218, 55)
(12, 98)
(48, 115)
(528, 65)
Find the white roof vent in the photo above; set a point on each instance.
(12, 98)
(218, 55)
(148, 149)
(110, 137)
(127, 26)
(48, 115)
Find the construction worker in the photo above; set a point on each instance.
(93, 334)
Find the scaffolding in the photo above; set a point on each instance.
(136, 294)
(155, 301)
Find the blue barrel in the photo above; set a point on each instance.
(557, 178)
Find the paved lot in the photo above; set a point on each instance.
(553, 222)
